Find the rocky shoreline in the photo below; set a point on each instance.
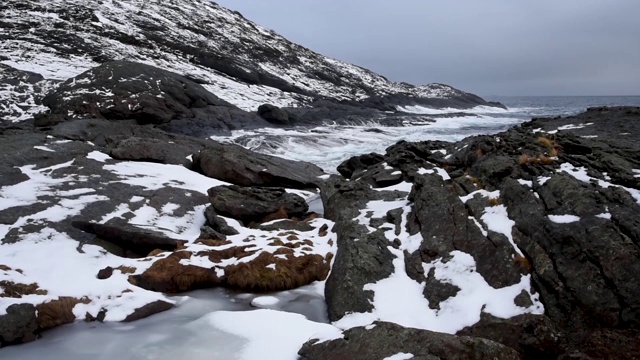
(522, 244)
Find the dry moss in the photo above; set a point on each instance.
(58, 312)
(288, 274)
(4, 267)
(280, 214)
(534, 160)
(168, 275)
(11, 289)
(494, 201)
(212, 242)
(126, 269)
(522, 262)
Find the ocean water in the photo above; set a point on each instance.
(328, 145)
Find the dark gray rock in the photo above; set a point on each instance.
(253, 204)
(387, 339)
(136, 241)
(273, 114)
(358, 163)
(18, 325)
(286, 225)
(217, 223)
(237, 165)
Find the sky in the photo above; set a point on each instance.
(488, 47)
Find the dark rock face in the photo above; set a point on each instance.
(252, 204)
(273, 114)
(568, 204)
(237, 165)
(18, 325)
(386, 339)
(126, 90)
(136, 241)
(217, 223)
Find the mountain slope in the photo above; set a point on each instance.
(232, 57)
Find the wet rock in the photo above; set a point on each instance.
(237, 165)
(18, 325)
(148, 310)
(273, 114)
(384, 340)
(252, 204)
(138, 241)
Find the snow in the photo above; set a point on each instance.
(497, 219)
(636, 171)
(484, 193)
(581, 175)
(436, 170)
(456, 312)
(606, 216)
(98, 156)
(528, 183)
(403, 186)
(573, 126)
(271, 334)
(543, 179)
(564, 219)
(400, 356)
(44, 148)
(265, 301)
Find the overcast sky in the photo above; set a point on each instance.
(489, 47)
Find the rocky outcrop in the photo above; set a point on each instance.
(255, 204)
(239, 166)
(543, 212)
(383, 340)
(121, 90)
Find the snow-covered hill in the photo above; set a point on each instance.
(234, 58)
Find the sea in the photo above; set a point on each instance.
(186, 332)
(330, 144)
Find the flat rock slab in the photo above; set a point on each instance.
(237, 165)
(129, 237)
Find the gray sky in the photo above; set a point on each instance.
(489, 47)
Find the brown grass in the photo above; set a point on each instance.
(522, 262)
(58, 312)
(312, 216)
(156, 252)
(548, 143)
(494, 201)
(212, 242)
(292, 237)
(291, 273)
(4, 268)
(126, 269)
(11, 289)
(553, 152)
(217, 256)
(534, 160)
(280, 214)
(169, 276)
(479, 153)
(323, 230)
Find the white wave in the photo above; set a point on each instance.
(327, 146)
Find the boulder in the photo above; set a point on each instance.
(136, 241)
(358, 163)
(153, 308)
(383, 340)
(239, 166)
(253, 204)
(18, 325)
(217, 223)
(273, 114)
